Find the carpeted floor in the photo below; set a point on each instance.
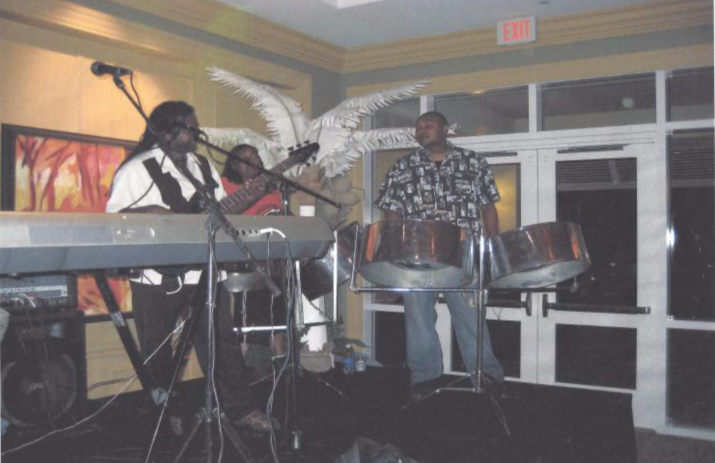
(367, 411)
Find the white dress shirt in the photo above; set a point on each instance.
(133, 186)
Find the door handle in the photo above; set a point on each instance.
(504, 303)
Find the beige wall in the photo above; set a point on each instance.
(47, 46)
(45, 82)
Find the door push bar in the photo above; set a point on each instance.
(592, 308)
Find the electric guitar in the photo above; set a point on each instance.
(245, 197)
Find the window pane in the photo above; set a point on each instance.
(390, 339)
(691, 377)
(487, 113)
(506, 345)
(508, 180)
(399, 114)
(596, 356)
(599, 103)
(690, 95)
(691, 172)
(600, 195)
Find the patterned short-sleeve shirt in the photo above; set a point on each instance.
(416, 188)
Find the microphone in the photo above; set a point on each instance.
(99, 69)
(195, 131)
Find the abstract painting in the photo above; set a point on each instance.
(50, 171)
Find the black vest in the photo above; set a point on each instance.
(170, 189)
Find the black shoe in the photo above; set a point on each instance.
(422, 390)
(177, 413)
(259, 422)
(497, 389)
(176, 424)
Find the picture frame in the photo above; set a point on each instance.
(61, 172)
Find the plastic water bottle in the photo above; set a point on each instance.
(349, 365)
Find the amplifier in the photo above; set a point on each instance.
(36, 292)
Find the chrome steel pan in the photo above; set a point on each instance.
(417, 254)
(240, 282)
(538, 255)
(316, 276)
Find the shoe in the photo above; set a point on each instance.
(176, 423)
(422, 390)
(177, 414)
(259, 422)
(497, 390)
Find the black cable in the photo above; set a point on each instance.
(136, 94)
(289, 295)
(209, 150)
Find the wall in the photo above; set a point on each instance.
(47, 48)
(637, 39)
(46, 83)
(50, 69)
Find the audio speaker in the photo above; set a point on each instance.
(44, 373)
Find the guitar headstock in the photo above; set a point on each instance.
(303, 151)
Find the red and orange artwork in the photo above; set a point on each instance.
(64, 175)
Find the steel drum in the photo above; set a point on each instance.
(537, 255)
(239, 282)
(240, 278)
(316, 276)
(417, 254)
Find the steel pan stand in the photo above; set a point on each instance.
(291, 364)
(482, 381)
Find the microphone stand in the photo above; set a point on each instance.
(208, 201)
(290, 326)
(293, 356)
(285, 186)
(281, 179)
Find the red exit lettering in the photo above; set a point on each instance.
(516, 31)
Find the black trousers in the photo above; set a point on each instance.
(156, 311)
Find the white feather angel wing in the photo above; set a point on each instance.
(285, 118)
(270, 152)
(350, 112)
(382, 139)
(340, 160)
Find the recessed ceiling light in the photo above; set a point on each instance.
(544, 2)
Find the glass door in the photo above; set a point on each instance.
(595, 330)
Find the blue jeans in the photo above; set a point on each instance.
(424, 353)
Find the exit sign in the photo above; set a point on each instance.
(521, 30)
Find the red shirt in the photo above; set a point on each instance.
(271, 202)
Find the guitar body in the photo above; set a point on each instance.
(243, 200)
